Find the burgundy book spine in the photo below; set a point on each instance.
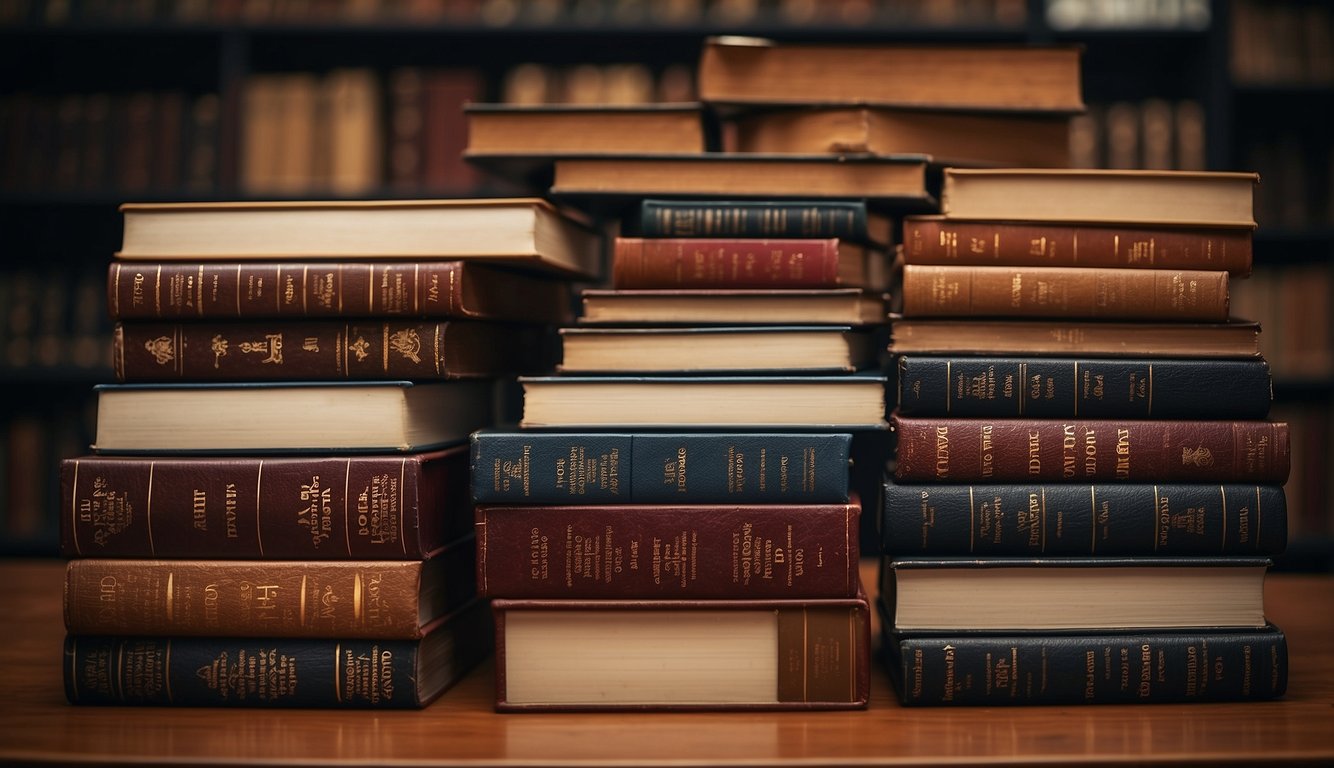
(949, 450)
(647, 263)
(290, 508)
(668, 551)
(934, 240)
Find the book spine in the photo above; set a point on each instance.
(244, 598)
(354, 508)
(319, 350)
(948, 450)
(942, 241)
(218, 290)
(846, 221)
(1089, 388)
(1068, 292)
(647, 468)
(1092, 669)
(648, 263)
(1083, 519)
(668, 552)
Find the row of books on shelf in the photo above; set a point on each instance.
(1150, 134)
(53, 321)
(1298, 190)
(1282, 43)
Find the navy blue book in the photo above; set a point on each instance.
(1062, 387)
(845, 219)
(528, 467)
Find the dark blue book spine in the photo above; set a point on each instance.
(659, 468)
(1082, 519)
(1090, 388)
(846, 220)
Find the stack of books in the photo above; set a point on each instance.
(276, 510)
(1087, 487)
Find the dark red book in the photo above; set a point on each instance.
(639, 263)
(668, 551)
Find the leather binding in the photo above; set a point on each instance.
(724, 263)
(846, 220)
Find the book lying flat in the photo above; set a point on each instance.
(1058, 336)
(835, 306)
(716, 349)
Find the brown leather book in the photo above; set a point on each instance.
(648, 263)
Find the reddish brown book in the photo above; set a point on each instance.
(937, 240)
(648, 263)
(668, 551)
(383, 599)
(445, 128)
(235, 289)
(1070, 292)
(288, 508)
(326, 350)
(1090, 450)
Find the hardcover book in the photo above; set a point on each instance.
(682, 654)
(531, 467)
(668, 551)
(1061, 337)
(837, 306)
(282, 508)
(700, 349)
(847, 220)
(681, 262)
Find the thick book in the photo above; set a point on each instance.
(283, 508)
(688, 262)
(529, 467)
(702, 349)
(330, 417)
(1235, 338)
(788, 306)
(705, 402)
(519, 232)
(668, 551)
(327, 350)
(1176, 198)
(938, 240)
(373, 599)
(332, 673)
(746, 71)
(216, 290)
(1065, 387)
(682, 654)
(847, 220)
(1060, 519)
(1071, 594)
(933, 449)
(533, 130)
(1093, 293)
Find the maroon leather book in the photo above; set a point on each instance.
(221, 290)
(296, 508)
(646, 263)
(950, 450)
(668, 551)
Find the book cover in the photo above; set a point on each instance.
(718, 306)
(718, 349)
(847, 220)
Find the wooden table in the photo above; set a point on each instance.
(37, 726)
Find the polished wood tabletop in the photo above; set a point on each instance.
(38, 726)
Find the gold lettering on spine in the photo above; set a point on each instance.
(157, 291)
(435, 346)
(453, 276)
(238, 290)
(259, 488)
(384, 347)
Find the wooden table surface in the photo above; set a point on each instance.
(37, 726)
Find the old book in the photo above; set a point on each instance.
(937, 240)
(326, 350)
(1058, 336)
(901, 179)
(679, 262)
(378, 599)
(842, 306)
(445, 134)
(519, 232)
(1063, 387)
(1010, 139)
(496, 131)
(330, 417)
(355, 145)
(1068, 292)
(529, 467)
(699, 349)
(847, 220)
(337, 673)
(1109, 668)
(682, 654)
(151, 290)
(668, 551)
(955, 450)
(828, 402)
(1010, 594)
(1001, 77)
(1176, 198)
(284, 508)
(1055, 519)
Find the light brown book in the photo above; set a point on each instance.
(522, 232)
(1178, 198)
(552, 129)
(999, 138)
(839, 306)
(938, 335)
(753, 71)
(716, 349)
